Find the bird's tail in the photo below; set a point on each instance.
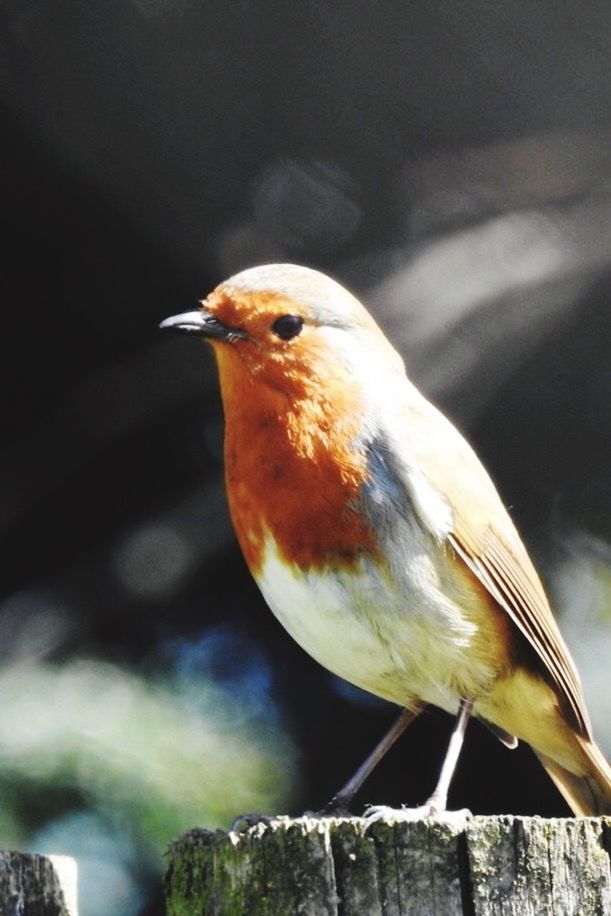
(590, 792)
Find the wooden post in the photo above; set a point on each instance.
(495, 866)
(33, 885)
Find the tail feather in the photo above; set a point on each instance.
(586, 794)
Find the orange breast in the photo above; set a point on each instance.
(292, 468)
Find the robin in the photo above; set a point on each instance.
(376, 535)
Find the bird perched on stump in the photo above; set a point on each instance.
(374, 532)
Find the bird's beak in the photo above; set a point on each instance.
(203, 324)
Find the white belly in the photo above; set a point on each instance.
(396, 636)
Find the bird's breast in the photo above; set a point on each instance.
(296, 475)
(393, 632)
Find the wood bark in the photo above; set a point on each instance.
(494, 866)
(34, 885)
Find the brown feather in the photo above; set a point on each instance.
(589, 794)
(522, 596)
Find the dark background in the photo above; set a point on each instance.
(450, 163)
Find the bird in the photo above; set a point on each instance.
(376, 535)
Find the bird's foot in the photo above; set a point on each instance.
(427, 812)
(244, 821)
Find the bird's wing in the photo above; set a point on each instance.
(480, 531)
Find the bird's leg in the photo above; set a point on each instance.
(341, 800)
(438, 801)
(436, 806)
(339, 803)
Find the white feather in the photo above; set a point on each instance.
(392, 632)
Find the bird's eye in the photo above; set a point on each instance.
(287, 326)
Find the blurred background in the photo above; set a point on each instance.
(450, 163)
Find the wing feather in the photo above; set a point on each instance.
(482, 535)
(524, 601)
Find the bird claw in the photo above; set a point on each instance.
(251, 819)
(374, 814)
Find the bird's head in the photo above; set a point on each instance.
(291, 329)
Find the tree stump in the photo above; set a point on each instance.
(33, 885)
(494, 866)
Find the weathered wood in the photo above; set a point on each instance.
(495, 866)
(33, 885)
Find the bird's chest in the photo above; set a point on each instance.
(299, 485)
(397, 639)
